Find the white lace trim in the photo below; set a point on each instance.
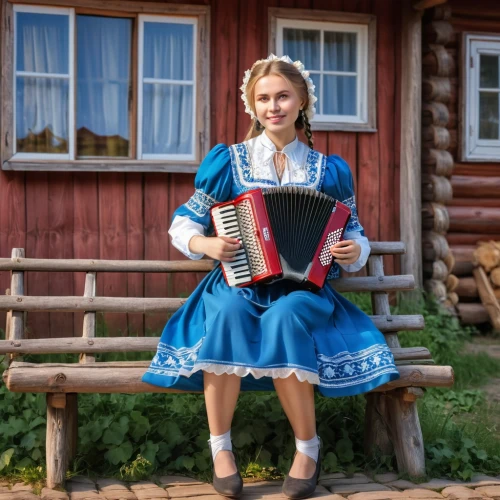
(243, 371)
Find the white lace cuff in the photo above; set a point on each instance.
(181, 231)
(363, 256)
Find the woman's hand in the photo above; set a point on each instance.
(346, 252)
(220, 248)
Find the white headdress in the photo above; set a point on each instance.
(305, 74)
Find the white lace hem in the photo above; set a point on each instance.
(243, 371)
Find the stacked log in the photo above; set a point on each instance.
(486, 259)
(438, 68)
(469, 309)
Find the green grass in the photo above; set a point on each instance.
(134, 436)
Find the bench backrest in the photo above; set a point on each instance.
(17, 303)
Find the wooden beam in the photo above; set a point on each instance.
(141, 7)
(75, 345)
(57, 456)
(147, 304)
(15, 319)
(149, 266)
(427, 4)
(405, 433)
(411, 130)
(89, 318)
(99, 166)
(126, 377)
(472, 314)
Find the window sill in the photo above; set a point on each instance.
(99, 166)
(482, 159)
(342, 127)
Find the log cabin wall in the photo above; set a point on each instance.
(127, 215)
(474, 210)
(438, 69)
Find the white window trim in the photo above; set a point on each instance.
(472, 148)
(140, 76)
(364, 25)
(70, 13)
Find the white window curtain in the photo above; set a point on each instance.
(103, 80)
(42, 82)
(168, 89)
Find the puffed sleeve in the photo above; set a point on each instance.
(339, 184)
(212, 185)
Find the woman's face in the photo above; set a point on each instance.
(275, 97)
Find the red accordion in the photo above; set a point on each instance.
(286, 233)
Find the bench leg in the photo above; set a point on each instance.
(376, 437)
(58, 438)
(72, 416)
(405, 432)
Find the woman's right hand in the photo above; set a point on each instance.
(220, 248)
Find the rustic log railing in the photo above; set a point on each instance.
(391, 419)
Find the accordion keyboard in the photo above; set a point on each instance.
(226, 223)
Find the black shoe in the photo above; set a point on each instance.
(302, 488)
(230, 486)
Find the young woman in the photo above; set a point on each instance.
(269, 337)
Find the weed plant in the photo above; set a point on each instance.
(134, 436)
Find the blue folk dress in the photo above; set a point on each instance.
(262, 332)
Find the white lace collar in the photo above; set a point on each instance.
(269, 144)
(262, 151)
(253, 165)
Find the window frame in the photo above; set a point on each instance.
(473, 149)
(366, 59)
(199, 16)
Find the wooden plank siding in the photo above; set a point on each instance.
(127, 215)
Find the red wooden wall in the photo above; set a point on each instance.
(127, 215)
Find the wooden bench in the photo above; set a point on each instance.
(391, 420)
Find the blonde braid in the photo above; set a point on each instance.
(307, 130)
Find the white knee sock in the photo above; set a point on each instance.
(309, 447)
(219, 443)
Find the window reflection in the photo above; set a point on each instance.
(103, 81)
(42, 83)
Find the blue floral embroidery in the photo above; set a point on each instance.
(312, 170)
(241, 164)
(350, 369)
(169, 360)
(334, 272)
(342, 370)
(200, 203)
(353, 224)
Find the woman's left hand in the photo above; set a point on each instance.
(346, 252)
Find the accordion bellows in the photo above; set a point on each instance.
(286, 234)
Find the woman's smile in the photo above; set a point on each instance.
(275, 119)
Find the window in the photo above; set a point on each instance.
(480, 133)
(338, 52)
(97, 91)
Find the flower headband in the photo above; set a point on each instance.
(305, 74)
